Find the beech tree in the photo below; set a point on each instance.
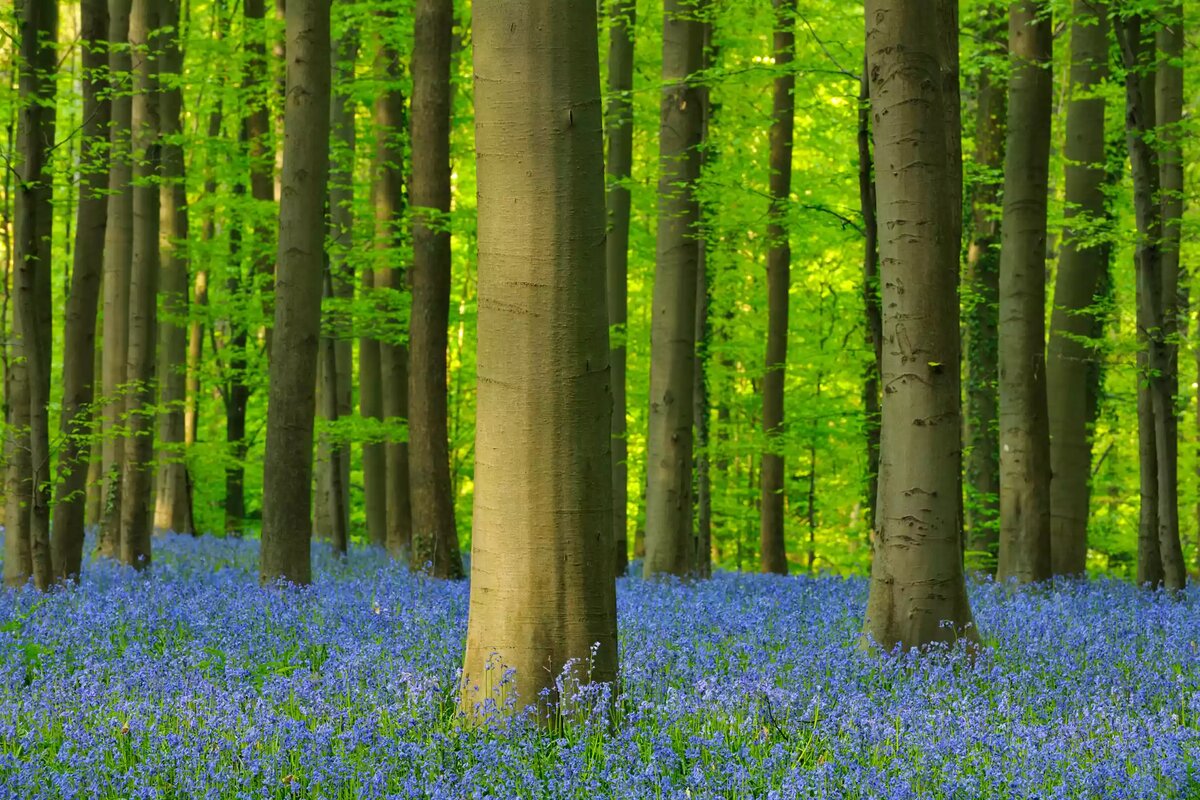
(917, 579)
(287, 468)
(542, 588)
(1024, 426)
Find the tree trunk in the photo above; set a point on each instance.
(171, 506)
(79, 333)
(1024, 426)
(1168, 117)
(619, 130)
(916, 577)
(287, 472)
(673, 325)
(542, 592)
(779, 257)
(333, 369)
(28, 554)
(387, 195)
(435, 538)
(981, 298)
(118, 247)
(870, 290)
(143, 289)
(1075, 320)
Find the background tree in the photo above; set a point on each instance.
(916, 576)
(542, 592)
(1024, 427)
(287, 470)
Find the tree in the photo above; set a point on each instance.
(118, 246)
(287, 471)
(1024, 426)
(619, 165)
(435, 538)
(916, 575)
(542, 590)
(388, 199)
(779, 256)
(172, 507)
(982, 294)
(673, 328)
(143, 289)
(1076, 321)
(27, 544)
(79, 323)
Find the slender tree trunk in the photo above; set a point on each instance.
(779, 256)
(1168, 117)
(1024, 426)
(333, 371)
(435, 538)
(28, 554)
(870, 290)
(1076, 321)
(370, 400)
(1155, 403)
(619, 130)
(388, 199)
(673, 324)
(287, 473)
(79, 334)
(917, 580)
(143, 289)
(171, 506)
(982, 298)
(542, 590)
(95, 473)
(118, 246)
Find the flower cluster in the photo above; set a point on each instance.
(193, 682)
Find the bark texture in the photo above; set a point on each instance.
(619, 165)
(136, 478)
(779, 258)
(434, 535)
(982, 298)
(27, 541)
(542, 591)
(79, 332)
(172, 511)
(118, 246)
(916, 576)
(291, 405)
(669, 544)
(1024, 426)
(1076, 321)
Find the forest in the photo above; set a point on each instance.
(599, 398)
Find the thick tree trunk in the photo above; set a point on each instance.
(981, 301)
(916, 576)
(287, 472)
(1168, 117)
(143, 289)
(118, 246)
(779, 257)
(333, 379)
(1082, 265)
(435, 537)
(79, 332)
(388, 198)
(669, 543)
(700, 402)
(28, 554)
(619, 130)
(1156, 432)
(1024, 426)
(542, 589)
(870, 291)
(171, 507)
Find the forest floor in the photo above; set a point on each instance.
(193, 682)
